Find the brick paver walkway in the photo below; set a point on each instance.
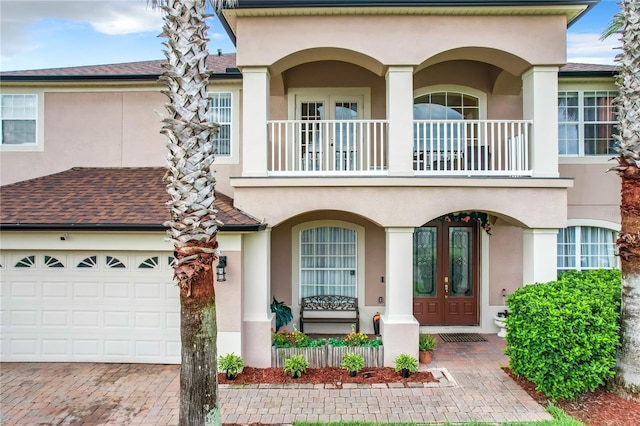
(122, 394)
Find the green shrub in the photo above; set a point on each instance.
(563, 335)
(231, 364)
(352, 362)
(406, 361)
(296, 365)
(294, 339)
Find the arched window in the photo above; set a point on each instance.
(439, 131)
(586, 247)
(328, 261)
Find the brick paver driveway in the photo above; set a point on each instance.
(123, 394)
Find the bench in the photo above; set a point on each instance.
(329, 303)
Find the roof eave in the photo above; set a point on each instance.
(587, 74)
(111, 227)
(119, 77)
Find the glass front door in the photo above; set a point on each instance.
(445, 274)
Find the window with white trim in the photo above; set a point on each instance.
(586, 122)
(586, 247)
(221, 112)
(18, 116)
(328, 261)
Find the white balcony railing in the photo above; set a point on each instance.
(471, 147)
(327, 146)
(359, 147)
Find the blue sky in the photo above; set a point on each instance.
(59, 33)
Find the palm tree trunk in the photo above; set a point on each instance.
(191, 185)
(628, 102)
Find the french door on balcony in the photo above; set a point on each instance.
(445, 274)
(329, 140)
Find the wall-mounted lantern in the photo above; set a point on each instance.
(221, 275)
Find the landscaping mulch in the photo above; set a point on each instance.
(598, 408)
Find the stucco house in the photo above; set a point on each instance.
(426, 157)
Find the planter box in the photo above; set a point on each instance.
(328, 356)
(317, 357)
(373, 357)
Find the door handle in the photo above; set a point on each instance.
(446, 291)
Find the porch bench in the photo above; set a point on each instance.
(329, 303)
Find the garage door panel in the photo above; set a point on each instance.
(149, 291)
(21, 318)
(121, 319)
(86, 319)
(117, 348)
(26, 347)
(117, 291)
(86, 347)
(99, 311)
(148, 320)
(86, 290)
(56, 289)
(55, 347)
(26, 289)
(56, 319)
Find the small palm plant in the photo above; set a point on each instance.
(295, 366)
(352, 363)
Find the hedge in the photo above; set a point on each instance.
(563, 335)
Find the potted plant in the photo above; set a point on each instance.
(406, 364)
(352, 363)
(296, 365)
(426, 345)
(231, 364)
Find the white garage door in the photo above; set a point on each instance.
(89, 307)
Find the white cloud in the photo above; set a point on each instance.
(112, 17)
(588, 48)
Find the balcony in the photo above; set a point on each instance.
(360, 147)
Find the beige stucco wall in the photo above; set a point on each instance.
(535, 39)
(505, 261)
(405, 202)
(107, 128)
(596, 192)
(282, 252)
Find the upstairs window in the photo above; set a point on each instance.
(221, 112)
(586, 122)
(586, 247)
(18, 114)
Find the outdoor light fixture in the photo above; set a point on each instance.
(221, 275)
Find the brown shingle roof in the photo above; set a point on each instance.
(574, 67)
(87, 197)
(216, 64)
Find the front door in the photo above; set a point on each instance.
(445, 274)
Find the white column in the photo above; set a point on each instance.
(539, 255)
(255, 113)
(540, 104)
(400, 117)
(398, 326)
(256, 293)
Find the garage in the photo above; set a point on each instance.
(89, 306)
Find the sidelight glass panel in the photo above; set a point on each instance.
(425, 257)
(460, 261)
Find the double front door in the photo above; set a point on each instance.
(445, 274)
